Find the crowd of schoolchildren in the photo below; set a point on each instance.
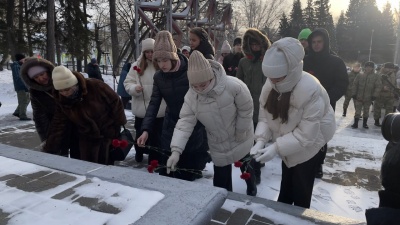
(255, 101)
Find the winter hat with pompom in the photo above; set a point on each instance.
(199, 69)
(164, 47)
(226, 48)
(147, 44)
(63, 78)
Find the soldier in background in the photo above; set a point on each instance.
(365, 89)
(387, 94)
(352, 75)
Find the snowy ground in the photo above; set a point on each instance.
(351, 170)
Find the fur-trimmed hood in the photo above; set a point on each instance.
(33, 61)
(256, 35)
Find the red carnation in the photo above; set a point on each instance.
(245, 176)
(115, 143)
(135, 67)
(138, 70)
(154, 163)
(150, 169)
(238, 164)
(123, 144)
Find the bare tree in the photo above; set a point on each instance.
(262, 14)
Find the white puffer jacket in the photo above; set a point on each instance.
(227, 114)
(140, 101)
(310, 126)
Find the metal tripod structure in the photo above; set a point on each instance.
(213, 15)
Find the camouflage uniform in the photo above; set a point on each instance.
(386, 97)
(349, 92)
(365, 89)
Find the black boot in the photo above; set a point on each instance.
(344, 112)
(365, 123)
(355, 124)
(318, 172)
(377, 123)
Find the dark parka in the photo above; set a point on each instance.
(172, 87)
(329, 69)
(231, 63)
(250, 69)
(42, 101)
(97, 114)
(19, 85)
(93, 71)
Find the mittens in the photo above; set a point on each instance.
(172, 161)
(268, 153)
(254, 150)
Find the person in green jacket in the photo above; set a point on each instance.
(352, 75)
(365, 89)
(387, 93)
(254, 46)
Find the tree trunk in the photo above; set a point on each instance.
(114, 37)
(98, 42)
(10, 28)
(28, 29)
(85, 50)
(51, 53)
(21, 31)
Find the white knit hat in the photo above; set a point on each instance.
(274, 64)
(187, 48)
(63, 78)
(283, 55)
(284, 58)
(199, 69)
(226, 48)
(148, 44)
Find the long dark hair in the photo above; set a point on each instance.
(278, 105)
(143, 64)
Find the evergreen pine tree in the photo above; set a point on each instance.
(284, 26)
(352, 17)
(308, 15)
(296, 19)
(386, 38)
(342, 36)
(324, 19)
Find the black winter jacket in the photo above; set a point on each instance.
(172, 87)
(93, 71)
(329, 69)
(231, 63)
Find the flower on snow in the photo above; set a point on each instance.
(154, 163)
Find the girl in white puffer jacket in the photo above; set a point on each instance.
(295, 120)
(139, 84)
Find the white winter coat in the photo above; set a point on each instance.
(225, 111)
(311, 122)
(140, 101)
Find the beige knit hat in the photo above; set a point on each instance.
(199, 69)
(63, 78)
(147, 44)
(164, 46)
(226, 48)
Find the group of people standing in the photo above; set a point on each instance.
(253, 103)
(368, 88)
(257, 101)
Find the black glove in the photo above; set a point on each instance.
(373, 98)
